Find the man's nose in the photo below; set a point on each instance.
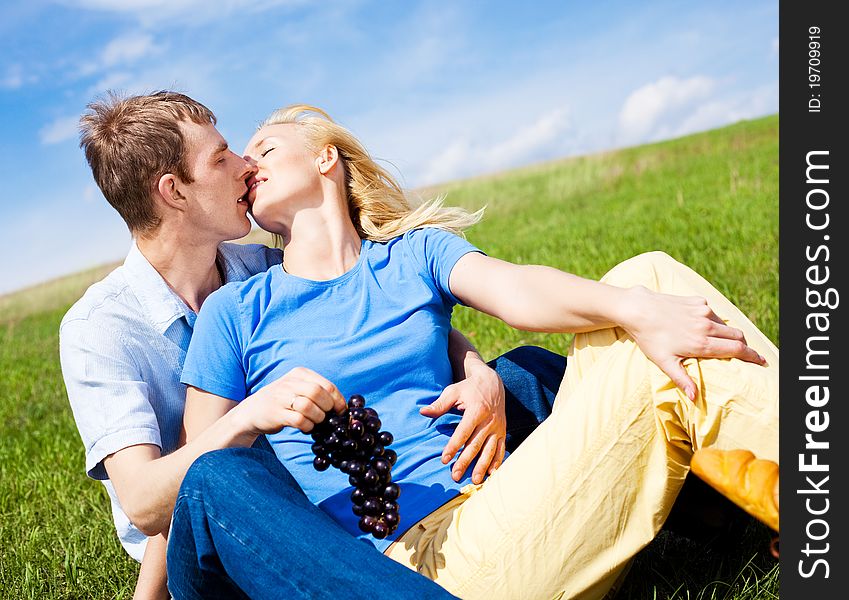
(248, 166)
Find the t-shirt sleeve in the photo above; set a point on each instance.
(438, 251)
(109, 399)
(214, 358)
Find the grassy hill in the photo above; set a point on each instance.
(709, 200)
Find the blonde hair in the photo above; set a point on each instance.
(379, 208)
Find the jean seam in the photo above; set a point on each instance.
(243, 543)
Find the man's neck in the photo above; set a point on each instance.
(187, 266)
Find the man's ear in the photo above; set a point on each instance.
(327, 159)
(168, 188)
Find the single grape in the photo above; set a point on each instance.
(373, 425)
(366, 523)
(358, 496)
(356, 429)
(391, 456)
(320, 463)
(356, 401)
(382, 466)
(372, 506)
(392, 491)
(370, 477)
(379, 530)
(391, 519)
(385, 438)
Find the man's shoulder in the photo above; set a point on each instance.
(104, 303)
(246, 260)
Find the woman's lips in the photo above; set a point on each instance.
(253, 183)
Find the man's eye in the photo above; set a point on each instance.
(266, 152)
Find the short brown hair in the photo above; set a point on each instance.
(131, 142)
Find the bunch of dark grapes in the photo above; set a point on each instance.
(352, 442)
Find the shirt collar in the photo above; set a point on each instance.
(161, 305)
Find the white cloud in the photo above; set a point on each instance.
(722, 111)
(59, 130)
(16, 77)
(648, 109)
(121, 51)
(480, 153)
(196, 11)
(112, 81)
(127, 49)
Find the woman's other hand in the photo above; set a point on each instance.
(669, 329)
(483, 427)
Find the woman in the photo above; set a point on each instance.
(374, 282)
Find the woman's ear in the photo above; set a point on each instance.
(327, 159)
(168, 188)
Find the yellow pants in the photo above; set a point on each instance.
(594, 483)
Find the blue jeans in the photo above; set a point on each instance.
(243, 528)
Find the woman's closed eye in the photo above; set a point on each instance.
(263, 153)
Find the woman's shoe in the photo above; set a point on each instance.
(749, 482)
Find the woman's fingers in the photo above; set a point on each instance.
(308, 408)
(721, 330)
(725, 348)
(337, 401)
(315, 392)
(676, 372)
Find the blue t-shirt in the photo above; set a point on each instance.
(379, 330)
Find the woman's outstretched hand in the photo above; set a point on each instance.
(669, 329)
(483, 428)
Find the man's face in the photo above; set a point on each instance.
(216, 207)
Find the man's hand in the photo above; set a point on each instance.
(483, 428)
(669, 329)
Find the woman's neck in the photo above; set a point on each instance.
(323, 243)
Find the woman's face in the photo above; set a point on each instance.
(287, 177)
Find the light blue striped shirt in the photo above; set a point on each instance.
(122, 347)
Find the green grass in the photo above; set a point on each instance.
(709, 200)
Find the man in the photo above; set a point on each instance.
(160, 162)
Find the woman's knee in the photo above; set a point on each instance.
(643, 269)
(209, 466)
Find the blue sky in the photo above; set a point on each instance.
(441, 89)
